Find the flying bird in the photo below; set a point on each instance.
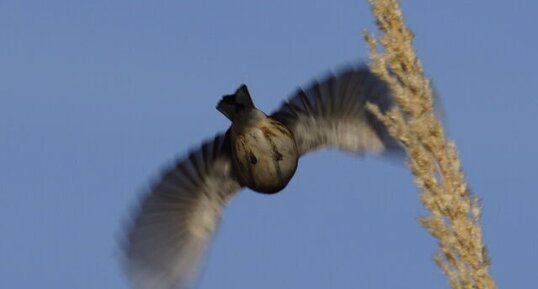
(167, 237)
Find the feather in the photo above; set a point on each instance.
(168, 236)
(332, 113)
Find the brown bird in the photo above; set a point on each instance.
(171, 229)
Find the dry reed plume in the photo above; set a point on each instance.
(454, 212)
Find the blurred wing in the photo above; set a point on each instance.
(175, 221)
(332, 113)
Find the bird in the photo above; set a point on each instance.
(169, 231)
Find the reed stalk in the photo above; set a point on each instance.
(453, 211)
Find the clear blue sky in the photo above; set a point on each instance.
(96, 96)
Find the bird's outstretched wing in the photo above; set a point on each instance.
(171, 229)
(332, 113)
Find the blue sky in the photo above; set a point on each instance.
(96, 96)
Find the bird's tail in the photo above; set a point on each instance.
(233, 104)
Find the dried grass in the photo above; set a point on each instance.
(454, 212)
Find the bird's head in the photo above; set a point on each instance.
(233, 105)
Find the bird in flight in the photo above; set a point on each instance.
(170, 230)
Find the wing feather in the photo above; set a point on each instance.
(332, 113)
(171, 229)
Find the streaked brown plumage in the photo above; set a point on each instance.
(263, 150)
(171, 229)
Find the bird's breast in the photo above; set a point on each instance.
(265, 156)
